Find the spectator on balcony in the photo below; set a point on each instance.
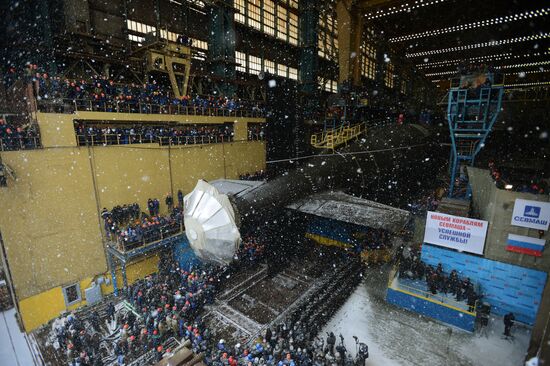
(169, 202)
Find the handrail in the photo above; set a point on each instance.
(334, 137)
(123, 139)
(20, 143)
(88, 105)
(123, 242)
(443, 300)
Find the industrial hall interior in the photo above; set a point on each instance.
(274, 183)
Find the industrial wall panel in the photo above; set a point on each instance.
(431, 309)
(505, 286)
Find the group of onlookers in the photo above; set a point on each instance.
(535, 185)
(129, 227)
(257, 175)
(17, 137)
(164, 135)
(437, 281)
(102, 93)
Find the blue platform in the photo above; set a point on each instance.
(431, 308)
(184, 255)
(508, 288)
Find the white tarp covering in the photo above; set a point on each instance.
(210, 224)
(532, 214)
(456, 232)
(343, 207)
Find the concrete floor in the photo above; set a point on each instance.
(398, 337)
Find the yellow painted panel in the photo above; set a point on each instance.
(43, 307)
(127, 174)
(56, 129)
(49, 220)
(137, 117)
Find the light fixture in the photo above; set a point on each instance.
(404, 8)
(479, 45)
(456, 28)
(508, 186)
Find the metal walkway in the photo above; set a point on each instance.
(335, 137)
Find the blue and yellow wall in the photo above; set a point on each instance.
(49, 221)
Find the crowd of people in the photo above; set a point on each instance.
(437, 281)
(129, 226)
(17, 137)
(164, 135)
(251, 249)
(167, 305)
(102, 93)
(257, 175)
(535, 185)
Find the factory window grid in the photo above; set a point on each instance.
(292, 73)
(254, 15)
(254, 65)
(72, 294)
(388, 77)
(403, 87)
(368, 60)
(282, 70)
(240, 59)
(268, 14)
(240, 14)
(330, 86)
(269, 66)
(275, 18)
(328, 37)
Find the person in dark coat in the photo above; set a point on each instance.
(111, 312)
(508, 323)
(180, 198)
(331, 341)
(169, 202)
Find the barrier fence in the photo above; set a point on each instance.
(125, 243)
(119, 139)
(87, 105)
(19, 143)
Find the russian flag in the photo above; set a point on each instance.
(525, 245)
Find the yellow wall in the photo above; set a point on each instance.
(50, 221)
(39, 309)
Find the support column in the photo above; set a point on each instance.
(350, 29)
(113, 272)
(221, 45)
(309, 20)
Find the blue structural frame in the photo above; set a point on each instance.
(471, 114)
(113, 253)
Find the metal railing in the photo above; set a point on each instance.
(87, 105)
(122, 139)
(396, 284)
(124, 243)
(20, 143)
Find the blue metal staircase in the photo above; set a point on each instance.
(471, 114)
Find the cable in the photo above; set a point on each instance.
(344, 154)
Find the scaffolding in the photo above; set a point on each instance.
(471, 114)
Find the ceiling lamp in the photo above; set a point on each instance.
(483, 23)
(404, 8)
(479, 45)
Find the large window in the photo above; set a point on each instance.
(254, 17)
(282, 22)
(368, 60)
(278, 19)
(253, 65)
(388, 78)
(328, 36)
(240, 59)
